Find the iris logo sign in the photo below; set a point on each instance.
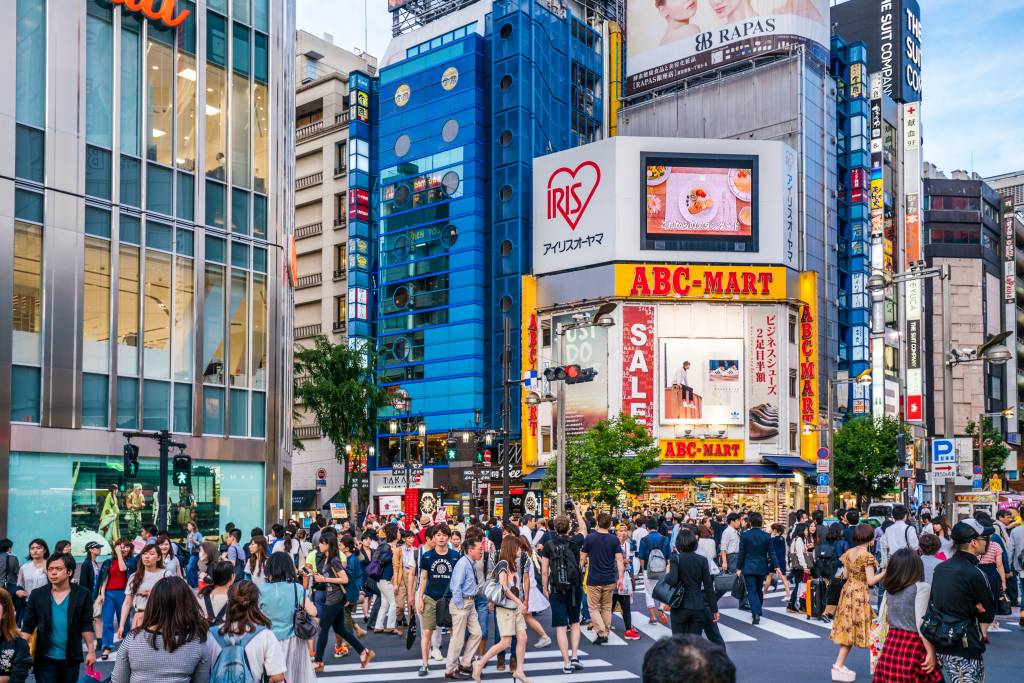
(570, 191)
(165, 15)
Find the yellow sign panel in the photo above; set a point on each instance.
(450, 78)
(807, 355)
(530, 361)
(711, 282)
(701, 450)
(877, 194)
(995, 484)
(402, 94)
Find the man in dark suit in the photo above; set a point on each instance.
(755, 563)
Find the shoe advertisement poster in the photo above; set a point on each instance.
(702, 381)
(763, 377)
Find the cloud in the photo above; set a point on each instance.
(362, 24)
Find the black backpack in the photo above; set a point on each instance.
(563, 569)
(826, 561)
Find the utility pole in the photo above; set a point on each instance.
(949, 492)
(560, 454)
(163, 439)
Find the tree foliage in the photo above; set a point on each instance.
(995, 450)
(337, 384)
(865, 458)
(608, 459)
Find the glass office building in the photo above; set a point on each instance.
(146, 185)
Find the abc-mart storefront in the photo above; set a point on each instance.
(715, 342)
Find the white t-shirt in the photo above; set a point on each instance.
(263, 653)
(149, 580)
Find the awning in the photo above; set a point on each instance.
(303, 500)
(536, 475)
(725, 471)
(789, 462)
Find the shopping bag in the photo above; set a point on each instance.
(879, 630)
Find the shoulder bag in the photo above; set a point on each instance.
(305, 626)
(444, 609)
(493, 590)
(943, 631)
(335, 594)
(669, 594)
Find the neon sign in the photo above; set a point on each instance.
(164, 15)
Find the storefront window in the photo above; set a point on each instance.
(259, 331)
(89, 495)
(26, 302)
(239, 327)
(160, 94)
(128, 311)
(186, 113)
(157, 315)
(184, 318)
(99, 75)
(96, 306)
(261, 138)
(240, 136)
(30, 78)
(216, 131)
(131, 84)
(213, 325)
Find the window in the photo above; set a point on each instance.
(239, 412)
(26, 303)
(131, 229)
(30, 74)
(185, 129)
(260, 57)
(216, 39)
(131, 84)
(258, 370)
(131, 181)
(156, 398)
(160, 114)
(240, 49)
(950, 234)
(216, 131)
(184, 318)
(340, 312)
(215, 204)
(239, 327)
(183, 408)
(159, 189)
(240, 10)
(128, 311)
(25, 383)
(944, 203)
(99, 75)
(792, 383)
(240, 132)
(127, 403)
(340, 209)
(28, 153)
(260, 138)
(259, 415)
(240, 211)
(259, 216)
(213, 410)
(340, 157)
(261, 14)
(156, 354)
(94, 400)
(792, 437)
(186, 207)
(96, 307)
(309, 69)
(213, 325)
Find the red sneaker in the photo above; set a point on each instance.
(631, 634)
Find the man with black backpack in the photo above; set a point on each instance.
(653, 553)
(561, 579)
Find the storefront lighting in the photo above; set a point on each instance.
(211, 110)
(393, 426)
(348, 449)
(157, 133)
(189, 74)
(422, 428)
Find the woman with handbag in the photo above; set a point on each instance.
(799, 561)
(852, 625)
(693, 590)
(292, 616)
(906, 657)
(509, 609)
(331, 572)
(991, 565)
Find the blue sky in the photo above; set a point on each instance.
(973, 73)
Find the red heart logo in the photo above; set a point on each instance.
(570, 191)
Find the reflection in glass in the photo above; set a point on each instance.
(127, 403)
(213, 410)
(30, 79)
(26, 302)
(216, 132)
(99, 81)
(131, 96)
(160, 94)
(213, 325)
(240, 130)
(128, 311)
(239, 328)
(157, 311)
(183, 318)
(260, 138)
(96, 309)
(259, 331)
(185, 132)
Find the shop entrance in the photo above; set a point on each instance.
(773, 499)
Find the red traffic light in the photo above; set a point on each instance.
(572, 372)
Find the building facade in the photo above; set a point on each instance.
(322, 146)
(147, 186)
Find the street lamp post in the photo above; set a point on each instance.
(862, 378)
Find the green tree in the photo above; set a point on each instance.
(995, 450)
(337, 384)
(608, 459)
(865, 459)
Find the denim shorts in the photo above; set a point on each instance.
(565, 608)
(483, 616)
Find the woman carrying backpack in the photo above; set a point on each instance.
(213, 598)
(799, 561)
(244, 643)
(331, 572)
(170, 644)
(280, 599)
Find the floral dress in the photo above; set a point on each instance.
(852, 625)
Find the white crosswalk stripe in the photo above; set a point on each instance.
(776, 627)
(803, 618)
(405, 663)
(613, 639)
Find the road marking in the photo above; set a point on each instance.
(775, 627)
(731, 635)
(803, 619)
(613, 639)
(402, 663)
(582, 676)
(652, 631)
(437, 671)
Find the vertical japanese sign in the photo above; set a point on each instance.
(587, 403)
(638, 363)
(807, 356)
(762, 374)
(529, 344)
(915, 386)
(1009, 251)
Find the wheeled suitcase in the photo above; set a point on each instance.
(817, 590)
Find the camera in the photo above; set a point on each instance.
(569, 506)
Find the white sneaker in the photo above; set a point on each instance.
(435, 655)
(542, 643)
(995, 627)
(843, 675)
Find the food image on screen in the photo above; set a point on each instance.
(699, 201)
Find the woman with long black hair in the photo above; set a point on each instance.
(280, 596)
(691, 570)
(247, 625)
(331, 572)
(213, 598)
(148, 571)
(255, 566)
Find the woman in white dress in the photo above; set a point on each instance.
(531, 583)
(32, 574)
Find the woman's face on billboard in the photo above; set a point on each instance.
(678, 10)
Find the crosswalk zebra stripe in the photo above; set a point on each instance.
(652, 631)
(731, 635)
(775, 627)
(403, 663)
(437, 671)
(613, 639)
(803, 619)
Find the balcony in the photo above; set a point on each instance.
(310, 230)
(307, 432)
(312, 280)
(339, 223)
(310, 180)
(310, 130)
(338, 327)
(340, 171)
(339, 274)
(307, 331)
(341, 119)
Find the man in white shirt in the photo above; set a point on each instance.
(681, 382)
(1004, 518)
(898, 535)
(731, 543)
(530, 532)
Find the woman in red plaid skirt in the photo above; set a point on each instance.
(906, 656)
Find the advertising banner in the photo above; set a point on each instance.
(702, 381)
(891, 30)
(762, 358)
(807, 355)
(703, 283)
(529, 344)
(1009, 251)
(586, 404)
(670, 41)
(638, 363)
(706, 450)
(389, 505)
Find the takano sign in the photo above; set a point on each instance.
(165, 15)
(700, 282)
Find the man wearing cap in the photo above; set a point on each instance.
(960, 592)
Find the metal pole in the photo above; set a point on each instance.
(164, 440)
(560, 451)
(506, 415)
(828, 440)
(947, 384)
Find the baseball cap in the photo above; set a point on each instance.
(92, 544)
(968, 530)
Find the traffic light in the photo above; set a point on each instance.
(182, 474)
(487, 457)
(131, 461)
(450, 446)
(570, 374)
(901, 448)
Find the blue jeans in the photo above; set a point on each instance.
(483, 616)
(755, 584)
(192, 571)
(319, 600)
(112, 604)
(583, 604)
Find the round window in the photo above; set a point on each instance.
(400, 248)
(401, 297)
(450, 183)
(506, 248)
(506, 83)
(506, 138)
(402, 194)
(400, 348)
(506, 303)
(506, 31)
(505, 193)
(402, 145)
(450, 130)
(449, 236)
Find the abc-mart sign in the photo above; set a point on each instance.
(589, 203)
